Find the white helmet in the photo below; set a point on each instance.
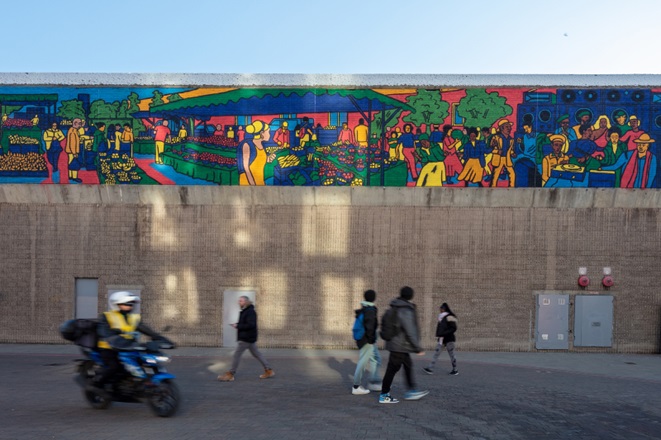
(123, 297)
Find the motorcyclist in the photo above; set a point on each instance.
(116, 331)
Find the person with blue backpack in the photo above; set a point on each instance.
(364, 333)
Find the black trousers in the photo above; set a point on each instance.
(112, 367)
(395, 362)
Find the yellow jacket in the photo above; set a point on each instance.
(116, 321)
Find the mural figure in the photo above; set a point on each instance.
(360, 133)
(161, 134)
(451, 145)
(566, 131)
(615, 148)
(346, 135)
(73, 149)
(600, 132)
(433, 169)
(632, 135)
(639, 166)
(407, 146)
(52, 140)
(555, 158)
(502, 151)
(282, 136)
(251, 155)
(183, 133)
(620, 117)
(474, 157)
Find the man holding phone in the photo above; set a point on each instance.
(247, 337)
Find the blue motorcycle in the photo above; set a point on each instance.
(143, 378)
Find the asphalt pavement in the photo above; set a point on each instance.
(541, 395)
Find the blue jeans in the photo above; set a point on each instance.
(369, 354)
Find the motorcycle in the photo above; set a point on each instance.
(142, 379)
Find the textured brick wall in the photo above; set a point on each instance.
(310, 258)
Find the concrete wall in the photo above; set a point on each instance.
(310, 252)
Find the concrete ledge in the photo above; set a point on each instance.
(579, 198)
(323, 80)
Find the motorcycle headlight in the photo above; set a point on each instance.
(162, 359)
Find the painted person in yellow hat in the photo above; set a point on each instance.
(555, 158)
(639, 167)
(251, 156)
(640, 170)
(281, 136)
(502, 149)
(632, 135)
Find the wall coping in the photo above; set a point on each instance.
(203, 195)
(323, 80)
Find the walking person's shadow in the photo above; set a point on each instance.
(344, 369)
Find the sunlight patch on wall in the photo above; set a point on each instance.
(162, 233)
(276, 285)
(337, 308)
(192, 296)
(325, 234)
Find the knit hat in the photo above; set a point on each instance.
(369, 295)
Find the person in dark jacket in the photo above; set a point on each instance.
(406, 341)
(247, 337)
(445, 329)
(369, 352)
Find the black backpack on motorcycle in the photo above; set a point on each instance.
(81, 332)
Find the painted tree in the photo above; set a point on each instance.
(105, 111)
(126, 110)
(158, 99)
(482, 109)
(71, 109)
(375, 126)
(429, 108)
(174, 97)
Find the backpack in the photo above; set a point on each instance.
(389, 324)
(81, 332)
(359, 327)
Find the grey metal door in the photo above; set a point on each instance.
(87, 298)
(552, 328)
(231, 312)
(593, 321)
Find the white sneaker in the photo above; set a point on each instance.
(359, 391)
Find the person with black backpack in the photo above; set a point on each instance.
(364, 333)
(445, 329)
(399, 327)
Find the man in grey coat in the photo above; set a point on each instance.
(406, 341)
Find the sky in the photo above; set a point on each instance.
(339, 37)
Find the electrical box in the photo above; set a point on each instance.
(552, 323)
(593, 321)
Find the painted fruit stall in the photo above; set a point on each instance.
(293, 167)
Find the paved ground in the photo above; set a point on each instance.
(495, 396)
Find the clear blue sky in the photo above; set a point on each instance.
(344, 36)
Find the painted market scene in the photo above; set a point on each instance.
(458, 137)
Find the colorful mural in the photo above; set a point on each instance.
(493, 137)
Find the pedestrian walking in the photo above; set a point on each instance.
(445, 329)
(247, 337)
(401, 341)
(367, 317)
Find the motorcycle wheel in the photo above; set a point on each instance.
(164, 399)
(87, 373)
(96, 401)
